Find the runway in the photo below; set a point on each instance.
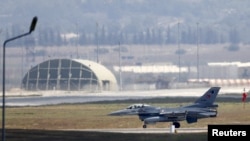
(145, 131)
(39, 98)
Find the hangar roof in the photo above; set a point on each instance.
(69, 74)
(100, 71)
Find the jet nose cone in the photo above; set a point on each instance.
(113, 114)
(121, 113)
(116, 113)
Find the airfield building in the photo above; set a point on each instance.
(71, 75)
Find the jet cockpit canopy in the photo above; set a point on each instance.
(137, 106)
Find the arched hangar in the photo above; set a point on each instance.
(69, 74)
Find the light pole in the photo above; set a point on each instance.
(32, 28)
(198, 61)
(97, 39)
(77, 41)
(120, 69)
(179, 57)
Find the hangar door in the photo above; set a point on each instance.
(60, 74)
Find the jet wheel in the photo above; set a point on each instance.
(176, 124)
(144, 126)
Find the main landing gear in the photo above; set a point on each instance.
(176, 124)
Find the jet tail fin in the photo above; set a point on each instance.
(208, 98)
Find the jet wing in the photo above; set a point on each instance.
(167, 116)
(208, 114)
(173, 113)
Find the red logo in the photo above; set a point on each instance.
(208, 96)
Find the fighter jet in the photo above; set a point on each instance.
(203, 107)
